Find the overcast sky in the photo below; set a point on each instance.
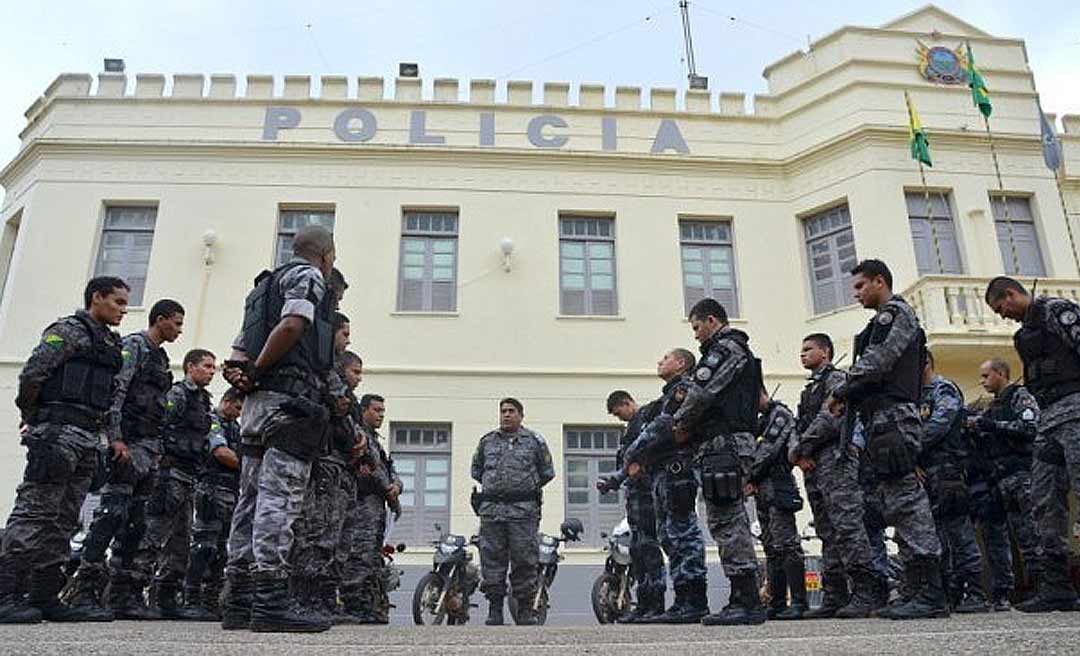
(636, 42)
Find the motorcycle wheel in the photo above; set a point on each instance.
(426, 596)
(604, 590)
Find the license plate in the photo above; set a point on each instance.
(813, 581)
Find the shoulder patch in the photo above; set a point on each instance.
(713, 359)
(126, 354)
(884, 317)
(1028, 414)
(703, 374)
(1067, 318)
(54, 340)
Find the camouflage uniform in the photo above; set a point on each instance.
(1006, 433)
(648, 563)
(943, 456)
(883, 385)
(1049, 345)
(988, 516)
(215, 498)
(136, 417)
(64, 435)
(778, 500)
(674, 490)
(320, 539)
(511, 467)
(833, 487)
(163, 551)
(360, 590)
(720, 413)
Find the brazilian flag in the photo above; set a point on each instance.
(979, 93)
(920, 144)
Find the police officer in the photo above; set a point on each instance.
(988, 515)
(647, 562)
(1048, 342)
(512, 464)
(777, 501)
(942, 461)
(1005, 434)
(283, 355)
(720, 415)
(136, 419)
(379, 487)
(670, 465)
(163, 551)
(215, 499)
(831, 475)
(883, 389)
(65, 392)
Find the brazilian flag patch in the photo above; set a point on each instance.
(54, 340)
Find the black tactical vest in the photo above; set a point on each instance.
(143, 413)
(812, 397)
(1051, 368)
(185, 439)
(212, 470)
(1007, 453)
(735, 411)
(313, 353)
(80, 391)
(903, 383)
(953, 448)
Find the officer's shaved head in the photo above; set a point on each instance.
(313, 242)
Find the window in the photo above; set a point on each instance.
(428, 276)
(587, 266)
(126, 238)
(421, 454)
(708, 264)
(944, 257)
(830, 248)
(290, 222)
(590, 453)
(7, 249)
(1024, 240)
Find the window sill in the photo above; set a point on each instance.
(734, 321)
(833, 313)
(408, 313)
(590, 317)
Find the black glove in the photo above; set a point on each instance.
(607, 484)
(985, 424)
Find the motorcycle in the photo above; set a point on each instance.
(549, 558)
(442, 595)
(611, 599)
(387, 579)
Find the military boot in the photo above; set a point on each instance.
(327, 601)
(677, 605)
(649, 608)
(1053, 590)
(973, 599)
(165, 594)
(495, 611)
(86, 588)
(745, 607)
(272, 611)
(778, 584)
(835, 597)
(865, 598)
(691, 604)
(236, 604)
(125, 597)
(795, 573)
(14, 608)
(195, 605)
(45, 585)
(928, 598)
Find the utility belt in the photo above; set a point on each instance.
(1049, 394)
(504, 497)
(228, 481)
(1012, 464)
(72, 415)
(678, 463)
(179, 472)
(252, 450)
(185, 468)
(294, 382)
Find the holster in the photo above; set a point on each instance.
(1051, 453)
(301, 436)
(102, 470)
(721, 476)
(785, 495)
(682, 496)
(950, 494)
(890, 456)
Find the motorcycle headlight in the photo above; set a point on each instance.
(447, 549)
(547, 548)
(623, 549)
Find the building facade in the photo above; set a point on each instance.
(545, 245)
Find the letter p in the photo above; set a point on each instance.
(279, 118)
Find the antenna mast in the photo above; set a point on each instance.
(696, 81)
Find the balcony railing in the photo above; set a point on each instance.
(954, 305)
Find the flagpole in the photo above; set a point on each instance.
(930, 219)
(1004, 198)
(1068, 224)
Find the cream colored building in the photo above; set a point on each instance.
(619, 207)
